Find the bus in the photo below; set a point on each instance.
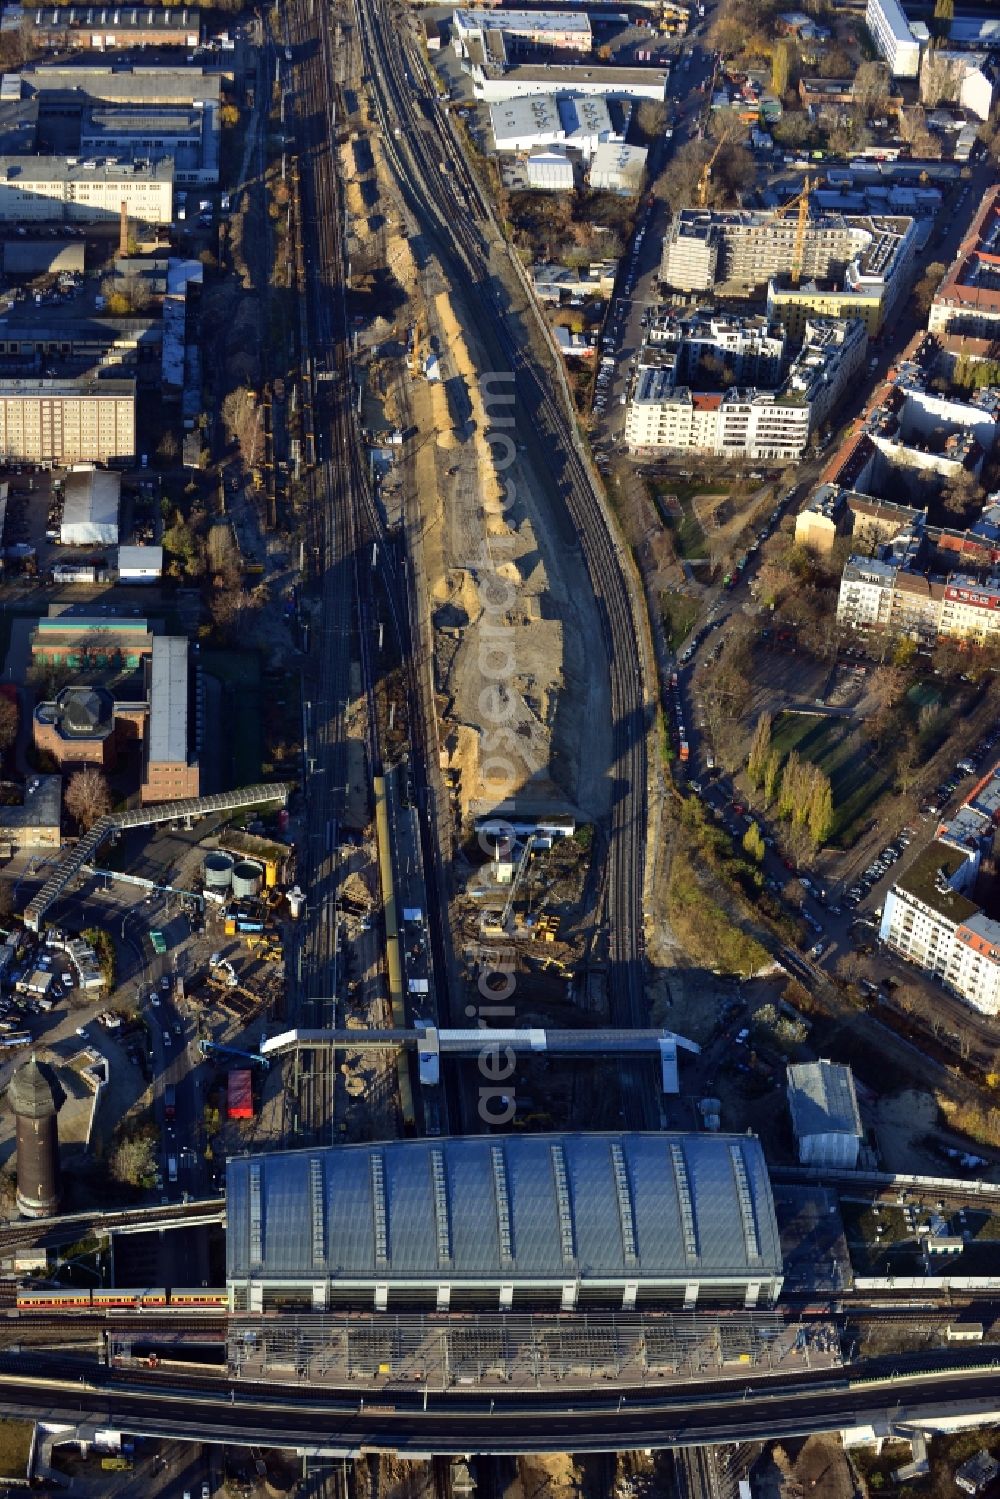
(169, 1101)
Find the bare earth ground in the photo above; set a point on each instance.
(484, 541)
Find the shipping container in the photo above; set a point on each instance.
(240, 1094)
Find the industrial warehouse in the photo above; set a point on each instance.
(498, 1222)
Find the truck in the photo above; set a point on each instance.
(169, 1101)
(685, 751)
(239, 1094)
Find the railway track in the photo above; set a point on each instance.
(360, 574)
(449, 207)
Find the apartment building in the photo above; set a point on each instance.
(899, 43)
(865, 599)
(67, 421)
(968, 299)
(745, 249)
(929, 916)
(665, 412)
(61, 189)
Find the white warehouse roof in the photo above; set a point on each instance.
(91, 499)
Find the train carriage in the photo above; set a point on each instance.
(200, 1297)
(52, 1298)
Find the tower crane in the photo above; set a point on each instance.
(706, 174)
(801, 201)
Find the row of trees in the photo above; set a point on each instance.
(800, 791)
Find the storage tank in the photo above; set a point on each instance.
(248, 876)
(219, 870)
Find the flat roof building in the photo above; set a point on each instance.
(894, 37)
(67, 421)
(186, 135)
(613, 83)
(62, 189)
(573, 121)
(826, 1120)
(170, 762)
(91, 502)
(101, 28)
(505, 1220)
(745, 249)
(504, 34)
(35, 821)
(63, 87)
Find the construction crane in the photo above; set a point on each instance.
(706, 174)
(522, 865)
(800, 201)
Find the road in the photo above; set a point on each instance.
(449, 207)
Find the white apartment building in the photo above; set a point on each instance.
(894, 38)
(931, 922)
(744, 421)
(67, 421)
(866, 588)
(57, 189)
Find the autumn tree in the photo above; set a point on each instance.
(820, 812)
(760, 749)
(126, 294)
(780, 68)
(753, 843)
(925, 288)
(772, 772)
(88, 798)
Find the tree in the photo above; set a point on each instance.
(925, 288)
(87, 797)
(8, 721)
(168, 449)
(753, 843)
(820, 811)
(126, 294)
(229, 115)
(780, 68)
(760, 749)
(772, 770)
(960, 492)
(134, 1158)
(834, 63)
(871, 84)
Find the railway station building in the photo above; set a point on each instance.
(495, 1222)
